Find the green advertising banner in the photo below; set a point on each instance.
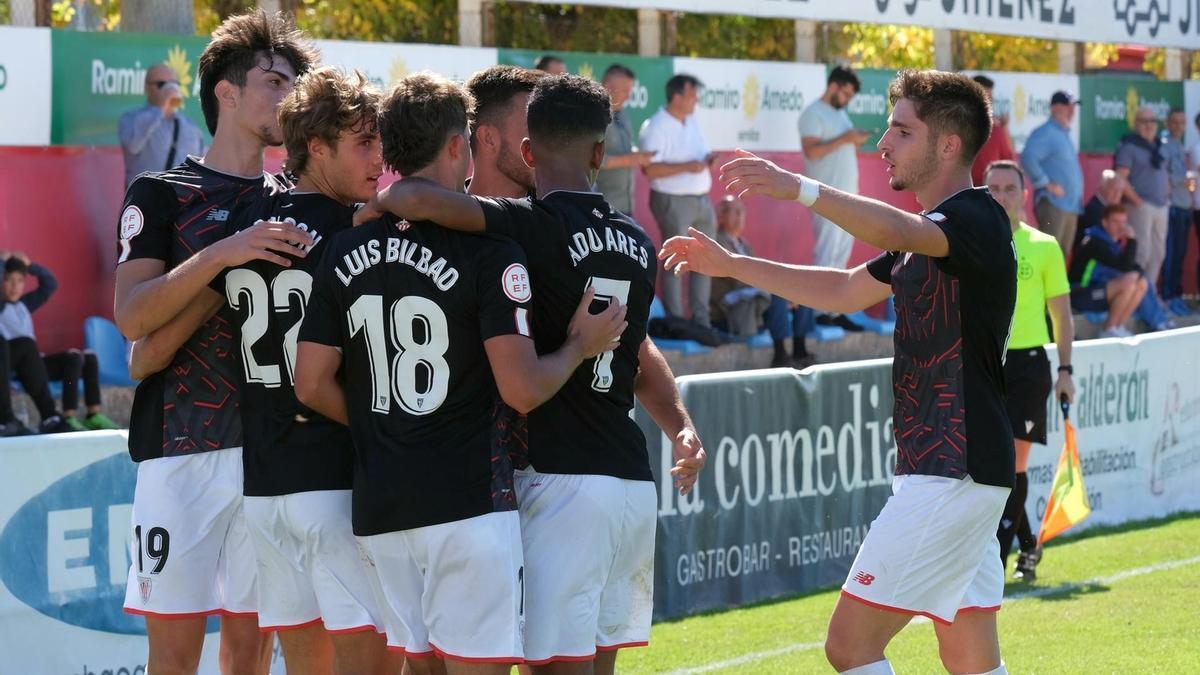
(1108, 104)
(869, 110)
(649, 92)
(99, 76)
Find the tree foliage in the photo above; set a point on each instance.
(565, 27)
(380, 20)
(986, 51)
(869, 45)
(735, 37)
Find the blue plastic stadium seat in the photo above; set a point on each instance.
(102, 337)
(763, 339)
(1097, 318)
(688, 347)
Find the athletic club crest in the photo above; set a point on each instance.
(144, 584)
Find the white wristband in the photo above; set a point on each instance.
(809, 191)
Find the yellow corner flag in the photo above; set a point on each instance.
(1068, 503)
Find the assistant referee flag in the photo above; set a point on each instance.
(1068, 503)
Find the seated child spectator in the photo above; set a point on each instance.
(19, 355)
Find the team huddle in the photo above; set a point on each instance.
(336, 425)
(393, 426)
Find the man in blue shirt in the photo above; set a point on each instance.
(157, 136)
(1052, 161)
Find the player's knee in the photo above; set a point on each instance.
(841, 650)
(243, 655)
(173, 662)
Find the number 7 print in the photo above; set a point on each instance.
(607, 290)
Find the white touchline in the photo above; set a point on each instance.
(1022, 595)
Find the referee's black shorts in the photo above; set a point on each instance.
(1028, 381)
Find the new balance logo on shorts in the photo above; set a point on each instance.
(864, 578)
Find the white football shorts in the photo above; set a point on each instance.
(311, 568)
(453, 589)
(589, 560)
(932, 550)
(191, 552)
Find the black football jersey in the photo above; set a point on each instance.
(410, 309)
(953, 320)
(575, 240)
(192, 405)
(287, 448)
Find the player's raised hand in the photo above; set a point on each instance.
(690, 458)
(696, 252)
(597, 333)
(750, 174)
(268, 240)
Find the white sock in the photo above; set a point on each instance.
(999, 670)
(877, 668)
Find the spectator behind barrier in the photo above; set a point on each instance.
(830, 145)
(1179, 217)
(679, 185)
(1109, 191)
(19, 355)
(1052, 162)
(1104, 274)
(999, 145)
(742, 310)
(551, 64)
(155, 137)
(1141, 159)
(615, 180)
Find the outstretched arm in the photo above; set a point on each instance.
(420, 199)
(868, 220)
(822, 288)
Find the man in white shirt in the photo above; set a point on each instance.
(679, 186)
(830, 144)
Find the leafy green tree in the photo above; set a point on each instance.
(986, 51)
(565, 27)
(869, 45)
(379, 20)
(735, 37)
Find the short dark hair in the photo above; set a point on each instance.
(325, 104)
(493, 90)
(618, 69)
(948, 103)
(1175, 111)
(1111, 209)
(236, 47)
(567, 109)
(15, 265)
(418, 115)
(843, 75)
(544, 62)
(984, 81)
(1006, 164)
(678, 83)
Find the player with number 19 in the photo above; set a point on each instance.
(413, 315)
(191, 557)
(313, 587)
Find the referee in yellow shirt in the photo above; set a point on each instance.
(1041, 286)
